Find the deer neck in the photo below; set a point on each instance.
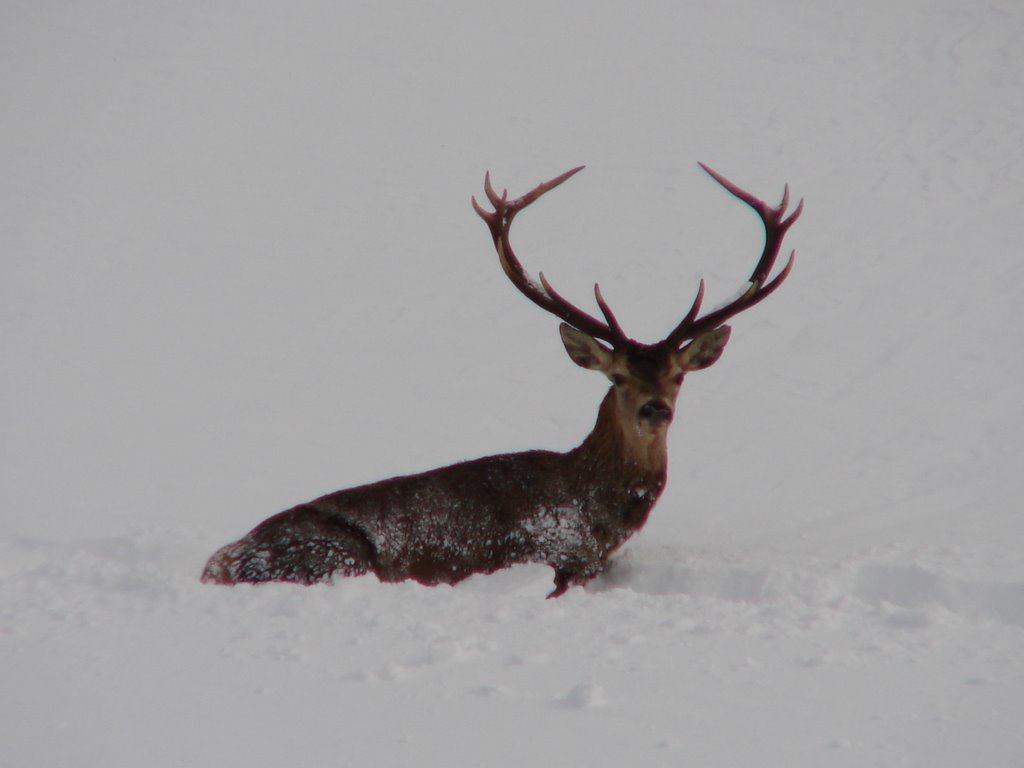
(619, 451)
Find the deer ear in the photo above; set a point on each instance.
(584, 350)
(704, 350)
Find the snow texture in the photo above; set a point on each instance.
(240, 270)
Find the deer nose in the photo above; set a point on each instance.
(656, 413)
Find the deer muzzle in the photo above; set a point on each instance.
(655, 413)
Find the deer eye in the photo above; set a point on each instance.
(618, 379)
(678, 378)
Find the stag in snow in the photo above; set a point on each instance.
(571, 510)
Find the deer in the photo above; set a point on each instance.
(568, 510)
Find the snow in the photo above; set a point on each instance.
(240, 270)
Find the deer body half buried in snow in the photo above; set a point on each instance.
(570, 510)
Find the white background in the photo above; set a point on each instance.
(240, 270)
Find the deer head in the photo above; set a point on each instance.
(645, 377)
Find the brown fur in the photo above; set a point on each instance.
(567, 510)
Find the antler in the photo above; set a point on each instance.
(775, 221)
(543, 295)
(775, 227)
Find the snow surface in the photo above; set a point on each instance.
(240, 270)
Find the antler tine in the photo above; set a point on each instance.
(613, 323)
(543, 295)
(695, 309)
(573, 315)
(776, 224)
